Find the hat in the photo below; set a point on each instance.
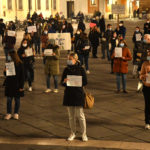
(92, 25)
(51, 41)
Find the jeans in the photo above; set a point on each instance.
(146, 91)
(37, 47)
(30, 75)
(118, 75)
(108, 53)
(55, 81)
(78, 112)
(84, 59)
(6, 54)
(9, 105)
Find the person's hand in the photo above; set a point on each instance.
(123, 58)
(23, 55)
(21, 90)
(65, 80)
(53, 54)
(84, 49)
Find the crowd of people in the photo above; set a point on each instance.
(112, 43)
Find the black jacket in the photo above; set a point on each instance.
(94, 37)
(74, 96)
(2, 28)
(14, 83)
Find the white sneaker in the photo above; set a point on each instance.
(147, 126)
(7, 117)
(55, 91)
(16, 116)
(88, 72)
(48, 90)
(30, 89)
(84, 138)
(71, 137)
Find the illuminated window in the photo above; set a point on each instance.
(93, 2)
(47, 4)
(9, 4)
(39, 4)
(20, 5)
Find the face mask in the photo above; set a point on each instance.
(69, 62)
(144, 41)
(45, 32)
(24, 45)
(120, 25)
(121, 44)
(110, 29)
(9, 58)
(148, 58)
(137, 30)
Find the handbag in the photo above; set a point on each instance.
(89, 100)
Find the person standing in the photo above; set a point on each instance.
(121, 65)
(145, 73)
(102, 25)
(147, 27)
(94, 36)
(2, 29)
(74, 96)
(14, 85)
(52, 65)
(121, 29)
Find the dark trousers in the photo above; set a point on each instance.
(2, 34)
(108, 53)
(37, 47)
(29, 75)
(84, 60)
(94, 50)
(9, 104)
(112, 64)
(146, 91)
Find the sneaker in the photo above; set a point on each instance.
(84, 138)
(7, 117)
(124, 91)
(55, 91)
(30, 89)
(147, 126)
(16, 116)
(88, 72)
(71, 137)
(48, 91)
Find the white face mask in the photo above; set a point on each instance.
(69, 62)
(120, 24)
(78, 32)
(24, 45)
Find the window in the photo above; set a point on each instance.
(93, 2)
(47, 4)
(30, 4)
(39, 4)
(54, 4)
(9, 4)
(20, 5)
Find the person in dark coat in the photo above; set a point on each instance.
(9, 43)
(121, 29)
(14, 85)
(102, 25)
(147, 27)
(28, 62)
(94, 36)
(2, 29)
(74, 96)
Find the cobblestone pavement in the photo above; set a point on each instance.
(115, 117)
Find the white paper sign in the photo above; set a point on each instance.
(118, 52)
(29, 52)
(48, 52)
(138, 37)
(10, 69)
(32, 29)
(118, 9)
(63, 40)
(11, 33)
(148, 78)
(87, 47)
(74, 81)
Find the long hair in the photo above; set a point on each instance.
(15, 57)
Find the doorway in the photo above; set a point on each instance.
(70, 9)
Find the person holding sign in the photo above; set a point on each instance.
(14, 84)
(145, 77)
(51, 54)
(74, 79)
(26, 54)
(121, 56)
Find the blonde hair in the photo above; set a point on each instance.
(74, 55)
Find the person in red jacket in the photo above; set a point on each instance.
(120, 66)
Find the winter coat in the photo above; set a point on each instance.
(14, 83)
(102, 25)
(81, 26)
(52, 62)
(147, 28)
(9, 42)
(44, 39)
(121, 31)
(74, 96)
(108, 35)
(134, 37)
(120, 65)
(94, 38)
(2, 28)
